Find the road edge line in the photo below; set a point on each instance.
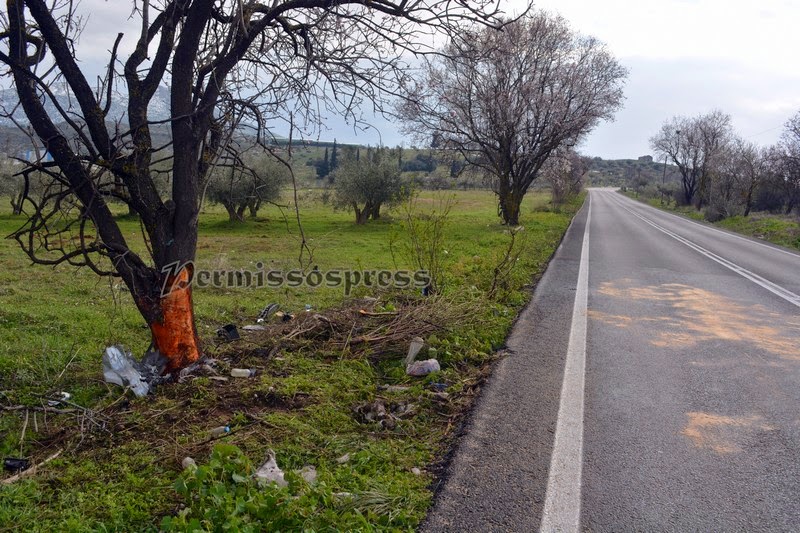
(562, 506)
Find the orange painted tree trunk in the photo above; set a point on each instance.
(172, 325)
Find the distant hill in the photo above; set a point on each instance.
(625, 172)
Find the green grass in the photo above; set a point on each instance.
(121, 459)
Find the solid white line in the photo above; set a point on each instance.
(562, 505)
(727, 234)
(786, 294)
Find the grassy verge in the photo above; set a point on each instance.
(783, 230)
(120, 462)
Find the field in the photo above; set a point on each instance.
(119, 466)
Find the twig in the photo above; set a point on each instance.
(31, 470)
(24, 429)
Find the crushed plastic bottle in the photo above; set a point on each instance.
(242, 372)
(120, 368)
(413, 349)
(423, 368)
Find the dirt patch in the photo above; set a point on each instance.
(697, 315)
(722, 434)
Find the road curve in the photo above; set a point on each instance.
(680, 406)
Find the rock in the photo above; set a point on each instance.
(416, 471)
(188, 462)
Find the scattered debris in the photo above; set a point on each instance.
(439, 387)
(14, 464)
(423, 368)
(442, 396)
(267, 312)
(120, 368)
(218, 378)
(188, 462)
(285, 317)
(308, 473)
(242, 372)
(343, 459)
(31, 470)
(206, 365)
(386, 418)
(254, 327)
(413, 349)
(270, 471)
(228, 332)
(308, 308)
(60, 397)
(416, 471)
(220, 430)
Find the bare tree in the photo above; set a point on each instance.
(507, 100)
(565, 171)
(787, 156)
(694, 145)
(228, 64)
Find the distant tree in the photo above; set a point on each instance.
(365, 184)
(323, 166)
(695, 146)
(507, 100)
(787, 155)
(565, 170)
(243, 189)
(334, 163)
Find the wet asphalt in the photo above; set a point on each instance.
(692, 392)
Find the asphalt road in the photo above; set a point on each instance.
(653, 384)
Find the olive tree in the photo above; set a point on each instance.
(241, 189)
(507, 100)
(365, 184)
(228, 65)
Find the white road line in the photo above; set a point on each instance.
(745, 239)
(786, 294)
(562, 505)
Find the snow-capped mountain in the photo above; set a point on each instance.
(9, 101)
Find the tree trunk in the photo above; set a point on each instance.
(16, 205)
(233, 214)
(254, 206)
(375, 212)
(362, 215)
(171, 320)
(509, 207)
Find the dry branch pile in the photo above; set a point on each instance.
(357, 328)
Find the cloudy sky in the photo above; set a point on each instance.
(685, 57)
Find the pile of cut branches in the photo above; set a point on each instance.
(361, 328)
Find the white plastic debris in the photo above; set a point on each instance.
(308, 473)
(270, 471)
(413, 349)
(254, 327)
(242, 372)
(188, 462)
(62, 397)
(220, 430)
(120, 368)
(343, 459)
(423, 368)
